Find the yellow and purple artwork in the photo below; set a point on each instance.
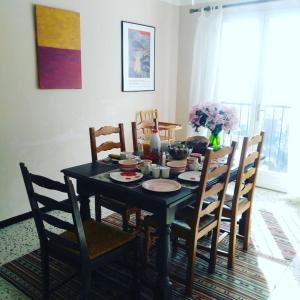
(58, 48)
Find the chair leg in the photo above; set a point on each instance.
(45, 272)
(125, 220)
(136, 286)
(232, 243)
(148, 242)
(190, 268)
(85, 277)
(138, 216)
(247, 229)
(174, 245)
(214, 250)
(98, 208)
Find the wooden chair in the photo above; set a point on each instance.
(84, 245)
(241, 201)
(193, 222)
(112, 204)
(148, 115)
(166, 129)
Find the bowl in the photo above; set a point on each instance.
(179, 151)
(198, 144)
(128, 165)
(177, 166)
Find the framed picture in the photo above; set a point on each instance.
(138, 57)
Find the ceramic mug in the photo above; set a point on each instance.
(145, 162)
(155, 171)
(165, 172)
(192, 163)
(145, 166)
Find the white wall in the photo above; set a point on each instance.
(48, 129)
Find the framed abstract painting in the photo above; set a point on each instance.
(138, 57)
(58, 48)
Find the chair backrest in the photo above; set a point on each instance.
(138, 132)
(213, 167)
(148, 115)
(48, 237)
(246, 178)
(166, 129)
(108, 145)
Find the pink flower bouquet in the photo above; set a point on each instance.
(214, 116)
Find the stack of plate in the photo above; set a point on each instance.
(177, 166)
(128, 165)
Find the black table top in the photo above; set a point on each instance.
(133, 193)
(136, 195)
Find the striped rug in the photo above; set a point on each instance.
(247, 281)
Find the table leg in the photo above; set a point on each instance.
(84, 200)
(84, 207)
(163, 288)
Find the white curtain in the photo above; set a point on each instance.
(205, 57)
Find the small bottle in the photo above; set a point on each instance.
(140, 149)
(163, 159)
(155, 143)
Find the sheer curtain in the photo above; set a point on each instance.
(205, 57)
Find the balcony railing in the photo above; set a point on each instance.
(274, 120)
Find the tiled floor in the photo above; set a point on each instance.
(283, 279)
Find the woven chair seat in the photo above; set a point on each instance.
(183, 219)
(116, 205)
(100, 238)
(228, 202)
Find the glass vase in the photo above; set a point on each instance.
(214, 141)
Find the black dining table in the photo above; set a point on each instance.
(92, 178)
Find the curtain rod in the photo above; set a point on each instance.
(208, 8)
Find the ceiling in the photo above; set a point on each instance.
(184, 2)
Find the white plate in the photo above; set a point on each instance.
(126, 176)
(161, 185)
(193, 176)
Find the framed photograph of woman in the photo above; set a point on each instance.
(138, 57)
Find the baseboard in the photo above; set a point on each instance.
(15, 219)
(19, 218)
